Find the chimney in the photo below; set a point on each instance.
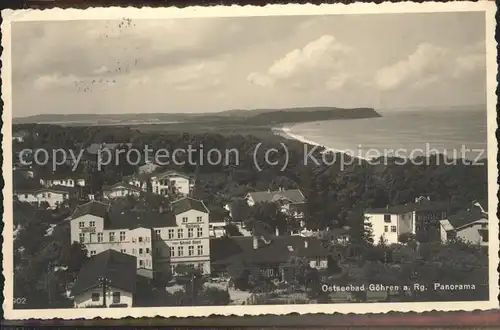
(277, 231)
(160, 209)
(387, 207)
(306, 244)
(255, 242)
(268, 190)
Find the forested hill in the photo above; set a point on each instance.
(250, 117)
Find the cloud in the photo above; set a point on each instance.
(430, 64)
(54, 81)
(196, 76)
(320, 62)
(101, 70)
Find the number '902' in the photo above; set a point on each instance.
(19, 301)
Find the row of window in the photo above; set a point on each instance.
(180, 233)
(393, 229)
(186, 219)
(116, 297)
(111, 236)
(190, 250)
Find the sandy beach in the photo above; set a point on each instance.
(286, 132)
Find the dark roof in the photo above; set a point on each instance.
(118, 268)
(136, 219)
(466, 216)
(294, 196)
(424, 205)
(187, 203)
(96, 208)
(122, 184)
(228, 250)
(170, 173)
(60, 175)
(95, 147)
(59, 188)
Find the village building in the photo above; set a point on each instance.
(469, 225)
(53, 196)
(171, 183)
(270, 256)
(120, 189)
(61, 180)
(159, 240)
(420, 217)
(291, 202)
(107, 279)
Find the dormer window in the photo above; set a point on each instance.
(387, 218)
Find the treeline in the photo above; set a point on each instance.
(334, 191)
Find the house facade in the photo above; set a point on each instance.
(420, 217)
(469, 225)
(159, 241)
(64, 181)
(120, 189)
(53, 196)
(107, 279)
(170, 183)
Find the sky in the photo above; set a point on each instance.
(215, 64)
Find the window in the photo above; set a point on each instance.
(92, 223)
(82, 237)
(200, 266)
(140, 251)
(141, 263)
(92, 252)
(190, 232)
(180, 233)
(123, 250)
(122, 236)
(147, 250)
(200, 250)
(199, 219)
(190, 250)
(180, 251)
(99, 237)
(65, 196)
(184, 219)
(134, 251)
(111, 236)
(81, 224)
(140, 239)
(158, 233)
(393, 229)
(199, 232)
(157, 250)
(43, 195)
(95, 296)
(48, 195)
(172, 252)
(386, 228)
(387, 217)
(116, 297)
(170, 233)
(25, 195)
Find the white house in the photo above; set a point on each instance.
(121, 189)
(159, 240)
(390, 222)
(469, 225)
(54, 195)
(171, 182)
(108, 278)
(64, 181)
(217, 228)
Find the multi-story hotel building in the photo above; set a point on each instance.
(159, 240)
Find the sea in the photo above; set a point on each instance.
(403, 133)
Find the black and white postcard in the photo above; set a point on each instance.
(249, 160)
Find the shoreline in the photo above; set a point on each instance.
(286, 132)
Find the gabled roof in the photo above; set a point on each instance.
(57, 188)
(424, 205)
(280, 249)
(446, 225)
(118, 268)
(465, 217)
(170, 173)
(187, 203)
(95, 208)
(137, 219)
(122, 185)
(295, 196)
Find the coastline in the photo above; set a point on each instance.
(286, 132)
